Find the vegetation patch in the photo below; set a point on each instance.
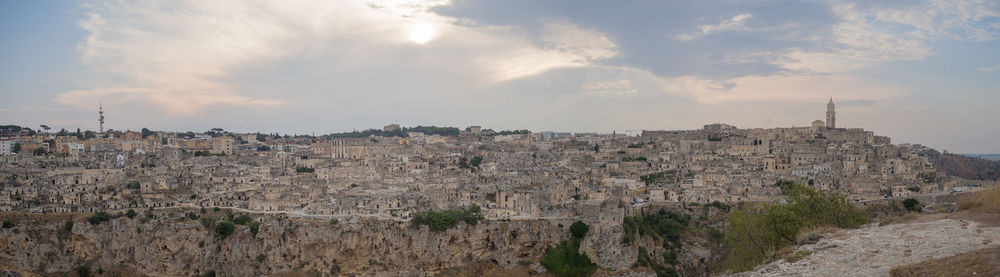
(663, 226)
(983, 262)
(224, 229)
(634, 159)
(756, 236)
(578, 229)
(98, 217)
(565, 259)
(719, 205)
(912, 205)
(986, 201)
(658, 177)
(439, 221)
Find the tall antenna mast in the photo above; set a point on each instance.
(100, 119)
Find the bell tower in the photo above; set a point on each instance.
(831, 115)
(100, 118)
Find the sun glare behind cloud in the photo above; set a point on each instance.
(422, 33)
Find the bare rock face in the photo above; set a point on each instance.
(176, 247)
(603, 245)
(873, 251)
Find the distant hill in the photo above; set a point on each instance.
(965, 166)
(992, 157)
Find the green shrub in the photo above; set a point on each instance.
(83, 271)
(254, 227)
(7, 224)
(334, 221)
(130, 213)
(208, 222)
(756, 235)
(912, 205)
(439, 221)
(242, 219)
(643, 259)
(98, 217)
(668, 272)
(670, 257)
(634, 159)
(565, 260)
(664, 225)
(224, 229)
(719, 205)
(579, 229)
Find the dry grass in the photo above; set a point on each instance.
(797, 256)
(986, 201)
(813, 235)
(985, 262)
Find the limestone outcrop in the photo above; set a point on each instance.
(170, 246)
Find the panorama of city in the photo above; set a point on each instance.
(499, 138)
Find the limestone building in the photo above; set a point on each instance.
(831, 115)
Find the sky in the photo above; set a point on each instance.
(924, 72)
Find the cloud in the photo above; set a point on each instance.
(737, 22)
(619, 88)
(564, 45)
(863, 37)
(783, 87)
(946, 19)
(989, 68)
(181, 56)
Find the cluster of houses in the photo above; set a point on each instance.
(599, 177)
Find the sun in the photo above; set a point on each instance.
(422, 33)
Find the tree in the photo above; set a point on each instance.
(597, 148)
(254, 227)
(565, 260)
(98, 217)
(224, 229)
(130, 213)
(39, 151)
(45, 127)
(242, 219)
(912, 205)
(146, 133)
(579, 229)
(439, 221)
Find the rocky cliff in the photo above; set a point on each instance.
(172, 246)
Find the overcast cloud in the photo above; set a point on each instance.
(918, 71)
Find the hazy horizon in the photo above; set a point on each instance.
(923, 72)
